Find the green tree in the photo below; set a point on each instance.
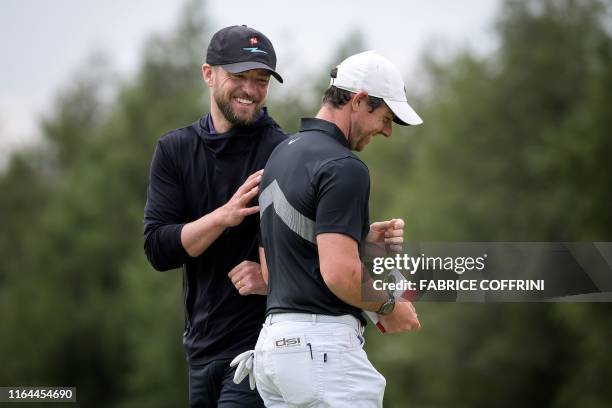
(80, 301)
(513, 148)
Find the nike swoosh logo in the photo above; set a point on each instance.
(295, 140)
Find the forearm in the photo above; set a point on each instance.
(198, 235)
(375, 249)
(163, 245)
(348, 286)
(341, 270)
(264, 265)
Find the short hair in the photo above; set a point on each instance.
(337, 98)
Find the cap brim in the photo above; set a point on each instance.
(248, 65)
(404, 114)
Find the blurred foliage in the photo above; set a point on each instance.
(515, 146)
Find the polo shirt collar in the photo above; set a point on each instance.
(326, 127)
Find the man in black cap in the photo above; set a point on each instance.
(201, 213)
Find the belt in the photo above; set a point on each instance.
(315, 318)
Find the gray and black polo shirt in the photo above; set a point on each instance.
(312, 184)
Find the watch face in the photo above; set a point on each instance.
(387, 307)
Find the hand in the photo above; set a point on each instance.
(403, 318)
(246, 277)
(390, 233)
(236, 209)
(244, 361)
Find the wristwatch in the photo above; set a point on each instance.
(387, 307)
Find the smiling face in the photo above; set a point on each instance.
(237, 97)
(365, 124)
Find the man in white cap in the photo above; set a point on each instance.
(314, 226)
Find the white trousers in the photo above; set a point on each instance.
(304, 360)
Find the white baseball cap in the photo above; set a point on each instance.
(372, 73)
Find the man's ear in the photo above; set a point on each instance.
(358, 99)
(207, 74)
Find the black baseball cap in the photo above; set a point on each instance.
(241, 48)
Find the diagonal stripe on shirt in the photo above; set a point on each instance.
(296, 221)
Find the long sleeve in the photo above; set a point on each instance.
(164, 214)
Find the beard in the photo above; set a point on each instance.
(233, 117)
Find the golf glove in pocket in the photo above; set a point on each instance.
(244, 361)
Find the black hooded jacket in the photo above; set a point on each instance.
(194, 172)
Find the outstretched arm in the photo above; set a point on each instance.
(198, 235)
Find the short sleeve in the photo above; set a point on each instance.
(343, 191)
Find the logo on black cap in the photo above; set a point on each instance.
(241, 48)
(254, 49)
